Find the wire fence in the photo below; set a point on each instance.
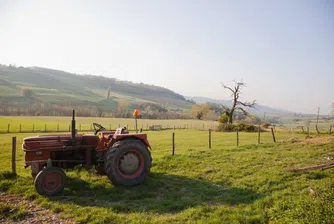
(61, 127)
(34, 128)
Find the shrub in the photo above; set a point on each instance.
(239, 126)
(223, 119)
(250, 128)
(265, 124)
(226, 127)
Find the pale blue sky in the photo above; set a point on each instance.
(282, 50)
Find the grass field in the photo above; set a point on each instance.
(225, 184)
(84, 123)
(53, 124)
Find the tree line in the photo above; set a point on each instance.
(205, 111)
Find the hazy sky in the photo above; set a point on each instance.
(282, 50)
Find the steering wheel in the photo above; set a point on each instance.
(98, 128)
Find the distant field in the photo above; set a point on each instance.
(84, 123)
(37, 123)
(322, 125)
(225, 184)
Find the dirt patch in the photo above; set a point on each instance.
(316, 140)
(36, 214)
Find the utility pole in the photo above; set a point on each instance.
(318, 115)
(264, 114)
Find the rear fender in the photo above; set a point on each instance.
(141, 137)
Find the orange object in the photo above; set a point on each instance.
(136, 113)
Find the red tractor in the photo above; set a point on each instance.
(125, 158)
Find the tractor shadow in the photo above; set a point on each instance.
(160, 193)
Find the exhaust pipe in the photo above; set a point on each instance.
(73, 126)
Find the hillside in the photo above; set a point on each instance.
(258, 110)
(62, 88)
(43, 91)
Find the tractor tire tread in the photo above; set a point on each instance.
(115, 151)
(39, 179)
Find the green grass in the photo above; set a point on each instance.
(290, 122)
(11, 212)
(225, 184)
(28, 124)
(84, 124)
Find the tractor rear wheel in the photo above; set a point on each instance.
(50, 181)
(128, 162)
(100, 169)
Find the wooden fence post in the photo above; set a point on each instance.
(209, 138)
(8, 128)
(316, 128)
(237, 137)
(258, 135)
(330, 129)
(272, 132)
(14, 155)
(173, 143)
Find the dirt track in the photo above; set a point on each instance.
(36, 214)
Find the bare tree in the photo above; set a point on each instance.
(99, 111)
(200, 110)
(4, 107)
(29, 95)
(237, 105)
(122, 108)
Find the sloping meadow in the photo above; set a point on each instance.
(245, 184)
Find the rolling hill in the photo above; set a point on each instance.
(51, 88)
(258, 110)
(59, 87)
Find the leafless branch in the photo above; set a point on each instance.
(239, 83)
(226, 87)
(242, 110)
(248, 104)
(236, 104)
(225, 107)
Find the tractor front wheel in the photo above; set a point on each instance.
(50, 181)
(128, 162)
